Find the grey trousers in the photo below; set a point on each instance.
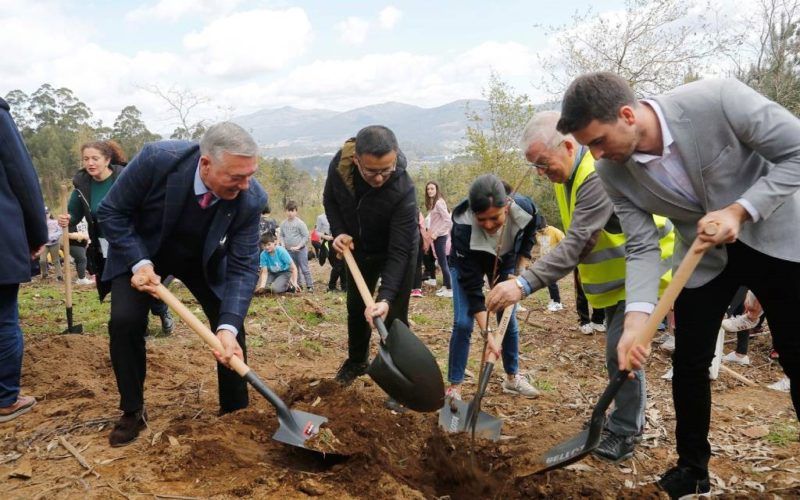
(627, 416)
(278, 282)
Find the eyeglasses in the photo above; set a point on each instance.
(544, 167)
(384, 173)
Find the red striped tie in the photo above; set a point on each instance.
(205, 199)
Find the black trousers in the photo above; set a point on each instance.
(582, 304)
(127, 328)
(698, 314)
(358, 330)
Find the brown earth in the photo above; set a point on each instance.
(296, 344)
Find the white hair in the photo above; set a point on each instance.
(542, 128)
(229, 138)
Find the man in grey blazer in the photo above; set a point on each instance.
(708, 152)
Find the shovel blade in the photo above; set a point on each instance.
(454, 417)
(568, 452)
(407, 371)
(302, 427)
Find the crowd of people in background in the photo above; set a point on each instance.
(630, 195)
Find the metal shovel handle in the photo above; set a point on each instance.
(65, 248)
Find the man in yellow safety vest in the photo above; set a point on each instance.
(595, 244)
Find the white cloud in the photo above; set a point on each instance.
(389, 16)
(173, 10)
(353, 30)
(244, 44)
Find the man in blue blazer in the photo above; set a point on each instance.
(24, 233)
(190, 210)
(709, 152)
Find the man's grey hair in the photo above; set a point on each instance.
(542, 128)
(229, 138)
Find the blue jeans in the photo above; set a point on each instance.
(10, 345)
(462, 331)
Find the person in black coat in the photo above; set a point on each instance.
(371, 206)
(24, 233)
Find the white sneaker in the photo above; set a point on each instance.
(84, 281)
(520, 386)
(738, 323)
(668, 344)
(430, 282)
(586, 329)
(782, 385)
(453, 392)
(732, 357)
(554, 306)
(444, 292)
(598, 327)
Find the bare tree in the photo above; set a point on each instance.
(654, 44)
(182, 104)
(772, 65)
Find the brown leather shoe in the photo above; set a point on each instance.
(127, 428)
(21, 406)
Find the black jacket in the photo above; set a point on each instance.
(473, 265)
(383, 223)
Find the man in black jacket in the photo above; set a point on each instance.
(371, 206)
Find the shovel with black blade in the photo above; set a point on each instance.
(71, 328)
(588, 440)
(460, 416)
(404, 367)
(296, 426)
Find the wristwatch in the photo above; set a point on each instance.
(521, 285)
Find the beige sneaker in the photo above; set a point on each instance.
(520, 386)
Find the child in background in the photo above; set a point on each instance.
(278, 272)
(294, 236)
(51, 247)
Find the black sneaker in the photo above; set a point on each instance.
(681, 481)
(167, 324)
(615, 447)
(349, 371)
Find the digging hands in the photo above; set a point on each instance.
(343, 241)
(231, 347)
(628, 351)
(503, 295)
(377, 309)
(728, 222)
(146, 280)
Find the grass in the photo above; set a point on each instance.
(782, 434)
(420, 319)
(312, 345)
(544, 385)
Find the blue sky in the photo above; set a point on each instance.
(245, 55)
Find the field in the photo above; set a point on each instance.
(296, 344)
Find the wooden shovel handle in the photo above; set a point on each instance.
(199, 327)
(679, 279)
(358, 277)
(496, 337)
(65, 247)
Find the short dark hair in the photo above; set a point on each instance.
(267, 238)
(291, 205)
(485, 192)
(594, 96)
(375, 140)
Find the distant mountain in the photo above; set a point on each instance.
(314, 135)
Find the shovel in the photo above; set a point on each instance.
(459, 416)
(587, 441)
(71, 328)
(404, 368)
(296, 426)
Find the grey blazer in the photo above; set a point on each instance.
(734, 143)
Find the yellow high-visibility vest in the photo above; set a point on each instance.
(602, 271)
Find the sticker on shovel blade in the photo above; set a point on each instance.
(308, 430)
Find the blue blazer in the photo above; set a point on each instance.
(140, 211)
(22, 226)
